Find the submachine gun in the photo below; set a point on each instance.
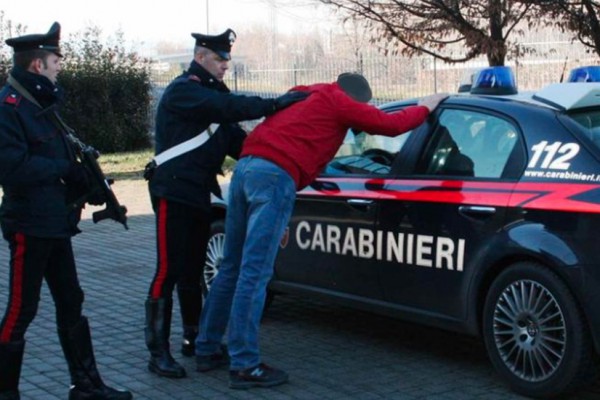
(99, 191)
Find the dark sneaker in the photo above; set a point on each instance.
(260, 376)
(213, 361)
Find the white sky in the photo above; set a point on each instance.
(150, 21)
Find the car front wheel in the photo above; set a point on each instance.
(214, 252)
(535, 333)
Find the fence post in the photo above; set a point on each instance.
(235, 77)
(517, 62)
(434, 75)
(295, 74)
(361, 65)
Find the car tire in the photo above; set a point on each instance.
(214, 257)
(535, 332)
(214, 253)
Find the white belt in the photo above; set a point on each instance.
(186, 146)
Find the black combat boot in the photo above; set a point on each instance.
(188, 345)
(158, 330)
(86, 383)
(11, 359)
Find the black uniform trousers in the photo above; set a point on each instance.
(33, 259)
(182, 234)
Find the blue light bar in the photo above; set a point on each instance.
(494, 80)
(585, 74)
(466, 82)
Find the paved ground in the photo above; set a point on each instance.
(330, 352)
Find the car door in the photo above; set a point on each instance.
(440, 215)
(330, 243)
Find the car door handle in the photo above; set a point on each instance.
(363, 205)
(359, 202)
(476, 211)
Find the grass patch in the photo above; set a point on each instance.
(130, 165)
(127, 165)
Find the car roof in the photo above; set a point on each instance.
(557, 96)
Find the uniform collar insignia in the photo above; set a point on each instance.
(12, 99)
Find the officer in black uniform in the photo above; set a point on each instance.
(40, 177)
(180, 188)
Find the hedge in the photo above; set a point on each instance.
(107, 92)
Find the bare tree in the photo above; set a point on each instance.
(7, 29)
(450, 30)
(579, 17)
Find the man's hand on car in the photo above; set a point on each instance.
(432, 101)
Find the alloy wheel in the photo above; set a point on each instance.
(529, 330)
(214, 257)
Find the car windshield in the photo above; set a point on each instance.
(590, 121)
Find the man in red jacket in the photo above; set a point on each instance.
(283, 154)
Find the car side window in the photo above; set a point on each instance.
(469, 144)
(590, 121)
(362, 153)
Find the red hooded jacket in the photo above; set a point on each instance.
(304, 137)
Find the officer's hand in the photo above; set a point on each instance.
(432, 101)
(286, 100)
(76, 176)
(96, 198)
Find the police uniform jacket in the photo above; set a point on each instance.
(190, 103)
(34, 155)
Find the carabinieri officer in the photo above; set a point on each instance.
(180, 188)
(40, 179)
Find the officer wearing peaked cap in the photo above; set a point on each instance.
(48, 41)
(220, 44)
(180, 188)
(39, 177)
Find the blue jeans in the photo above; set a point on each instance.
(261, 200)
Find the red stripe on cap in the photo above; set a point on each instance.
(163, 262)
(16, 298)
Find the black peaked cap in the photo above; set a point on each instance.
(38, 41)
(220, 44)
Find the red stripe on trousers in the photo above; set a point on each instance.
(16, 298)
(163, 263)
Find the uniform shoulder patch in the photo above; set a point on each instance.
(194, 78)
(12, 99)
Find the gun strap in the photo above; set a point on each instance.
(61, 124)
(57, 120)
(186, 146)
(24, 92)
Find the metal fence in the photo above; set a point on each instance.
(394, 78)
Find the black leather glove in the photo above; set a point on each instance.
(286, 100)
(78, 180)
(76, 176)
(96, 198)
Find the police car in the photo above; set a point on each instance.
(484, 220)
